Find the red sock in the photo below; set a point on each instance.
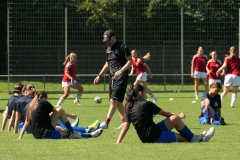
(123, 120)
(107, 120)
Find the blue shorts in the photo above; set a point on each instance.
(166, 135)
(28, 129)
(55, 134)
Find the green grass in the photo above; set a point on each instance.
(224, 144)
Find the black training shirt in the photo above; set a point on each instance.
(141, 115)
(41, 121)
(116, 57)
(215, 102)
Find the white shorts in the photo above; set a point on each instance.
(211, 81)
(232, 80)
(198, 74)
(67, 84)
(142, 77)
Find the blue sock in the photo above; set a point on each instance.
(59, 122)
(216, 123)
(79, 129)
(185, 132)
(68, 126)
(85, 135)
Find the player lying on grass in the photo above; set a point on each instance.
(139, 112)
(43, 117)
(211, 106)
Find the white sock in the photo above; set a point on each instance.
(196, 94)
(79, 95)
(233, 101)
(60, 101)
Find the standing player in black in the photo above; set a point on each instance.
(118, 61)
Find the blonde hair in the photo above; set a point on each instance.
(68, 58)
(34, 104)
(210, 54)
(146, 57)
(232, 48)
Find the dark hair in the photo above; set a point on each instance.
(216, 84)
(132, 96)
(18, 88)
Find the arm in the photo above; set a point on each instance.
(24, 129)
(168, 114)
(72, 116)
(148, 70)
(125, 67)
(70, 77)
(5, 118)
(17, 120)
(123, 132)
(12, 118)
(102, 72)
(219, 111)
(192, 69)
(223, 67)
(207, 105)
(207, 69)
(131, 73)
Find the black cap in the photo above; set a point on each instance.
(107, 35)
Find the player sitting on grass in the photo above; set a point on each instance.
(43, 117)
(139, 112)
(211, 106)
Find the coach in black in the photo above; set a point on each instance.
(118, 61)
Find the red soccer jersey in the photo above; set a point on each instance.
(200, 62)
(233, 65)
(71, 69)
(213, 67)
(138, 64)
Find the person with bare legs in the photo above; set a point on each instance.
(232, 78)
(198, 70)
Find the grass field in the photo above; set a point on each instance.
(224, 144)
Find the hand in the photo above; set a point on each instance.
(208, 72)
(130, 74)
(192, 75)
(96, 80)
(218, 72)
(72, 81)
(118, 74)
(182, 115)
(204, 111)
(150, 75)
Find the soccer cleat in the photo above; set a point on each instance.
(96, 133)
(209, 134)
(94, 124)
(75, 123)
(57, 105)
(222, 121)
(198, 137)
(196, 98)
(155, 99)
(103, 125)
(120, 127)
(93, 128)
(77, 102)
(74, 135)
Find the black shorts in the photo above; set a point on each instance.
(117, 88)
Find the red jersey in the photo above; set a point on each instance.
(233, 65)
(138, 64)
(213, 67)
(71, 69)
(200, 62)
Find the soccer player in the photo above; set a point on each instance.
(43, 117)
(198, 70)
(139, 112)
(139, 64)
(118, 61)
(69, 80)
(21, 106)
(211, 106)
(212, 66)
(232, 78)
(10, 105)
